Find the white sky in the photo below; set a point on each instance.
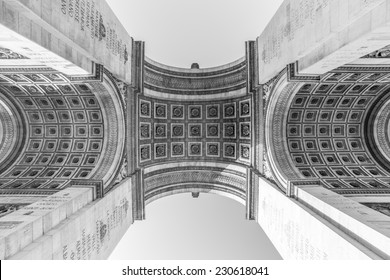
(180, 32)
(211, 33)
(180, 227)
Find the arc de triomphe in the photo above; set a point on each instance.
(297, 130)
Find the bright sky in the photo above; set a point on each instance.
(180, 32)
(211, 33)
(180, 227)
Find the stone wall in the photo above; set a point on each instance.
(90, 231)
(299, 233)
(322, 35)
(67, 35)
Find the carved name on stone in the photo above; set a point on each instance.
(91, 20)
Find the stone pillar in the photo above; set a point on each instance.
(77, 228)
(299, 232)
(322, 35)
(369, 227)
(252, 189)
(257, 107)
(23, 227)
(69, 36)
(138, 195)
(131, 147)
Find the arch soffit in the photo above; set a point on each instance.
(341, 102)
(59, 105)
(219, 122)
(278, 156)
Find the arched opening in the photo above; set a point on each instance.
(183, 227)
(330, 131)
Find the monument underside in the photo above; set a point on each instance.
(81, 155)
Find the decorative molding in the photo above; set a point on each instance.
(151, 65)
(97, 76)
(279, 161)
(96, 184)
(199, 82)
(294, 76)
(121, 88)
(194, 177)
(198, 168)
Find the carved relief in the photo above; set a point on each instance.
(229, 150)
(267, 90)
(195, 149)
(121, 88)
(177, 112)
(195, 130)
(195, 112)
(177, 149)
(245, 130)
(266, 168)
(212, 111)
(160, 150)
(245, 152)
(383, 208)
(213, 130)
(122, 173)
(145, 108)
(245, 108)
(145, 130)
(229, 110)
(381, 53)
(160, 130)
(145, 153)
(6, 209)
(160, 111)
(8, 54)
(177, 130)
(229, 130)
(213, 149)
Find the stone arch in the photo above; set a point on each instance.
(223, 179)
(213, 189)
(279, 101)
(12, 124)
(72, 130)
(376, 130)
(318, 131)
(194, 128)
(112, 102)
